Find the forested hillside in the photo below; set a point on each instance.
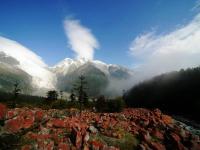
(176, 92)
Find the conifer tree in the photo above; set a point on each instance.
(16, 92)
(52, 95)
(80, 88)
(72, 96)
(61, 95)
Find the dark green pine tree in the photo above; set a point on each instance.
(80, 89)
(52, 95)
(85, 98)
(16, 92)
(72, 96)
(61, 95)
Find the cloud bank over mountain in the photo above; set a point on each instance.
(168, 52)
(30, 62)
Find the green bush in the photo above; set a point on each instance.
(116, 105)
(111, 105)
(73, 104)
(101, 104)
(59, 104)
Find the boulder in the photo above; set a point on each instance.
(92, 129)
(14, 125)
(63, 146)
(167, 119)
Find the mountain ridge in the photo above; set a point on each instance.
(99, 75)
(42, 76)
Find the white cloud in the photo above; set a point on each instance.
(29, 62)
(172, 51)
(196, 6)
(80, 39)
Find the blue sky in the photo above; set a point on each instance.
(114, 24)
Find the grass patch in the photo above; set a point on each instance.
(127, 142)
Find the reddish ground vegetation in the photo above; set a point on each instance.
(68, 130)
(3, 110)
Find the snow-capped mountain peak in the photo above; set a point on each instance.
(69, 65)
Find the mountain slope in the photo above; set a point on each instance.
(99, 75)
(10, 75)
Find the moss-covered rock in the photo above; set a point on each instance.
(127, 142)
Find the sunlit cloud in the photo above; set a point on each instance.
(168, 52)
(80, 39)
(28, 62)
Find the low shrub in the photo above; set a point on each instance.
(109, 105)
(59, 104)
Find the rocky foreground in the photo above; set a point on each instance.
(30, 129)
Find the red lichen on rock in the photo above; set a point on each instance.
(167, 119)
(3, 110)
(63, 146)
(14, 125)
(28, 119)
(26, 147)
(56, 129)
(39, 115)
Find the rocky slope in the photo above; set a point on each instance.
(24, 128)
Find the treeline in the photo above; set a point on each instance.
(176, 92)
(21, 100)
(55, 99)
(99, 104)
